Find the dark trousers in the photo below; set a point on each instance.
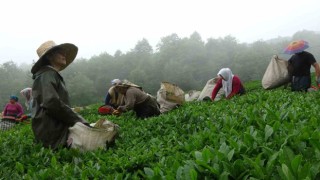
(300, 83)
(147, 108)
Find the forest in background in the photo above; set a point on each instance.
(188, 62)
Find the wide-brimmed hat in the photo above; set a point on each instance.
(70, 49)
(296, 47)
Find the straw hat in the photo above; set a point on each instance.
(47, 47)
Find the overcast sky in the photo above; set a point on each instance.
(98, 26)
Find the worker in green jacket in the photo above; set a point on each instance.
(51, 112)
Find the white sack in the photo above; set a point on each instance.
(90, 138)
(169, 96)
(192, 95)
(276, 73)
(207, 90)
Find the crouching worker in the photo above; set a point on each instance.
(52, 115)
(12, 114)
(137, 100)
(230, 83)
(114, 98)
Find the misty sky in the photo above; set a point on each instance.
(98, 26)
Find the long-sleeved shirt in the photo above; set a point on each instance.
(13, 110)
(237, 87)
(51, 114)
(114, 98)
(133, 97)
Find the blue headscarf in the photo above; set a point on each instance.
(14, 98)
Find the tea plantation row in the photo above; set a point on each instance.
(262, 135)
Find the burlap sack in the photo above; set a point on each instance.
(87, 138)
(169, 96)
(126, 82)
(276, 73)
(207, 90)
(192, 95)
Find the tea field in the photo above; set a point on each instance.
(271, 134)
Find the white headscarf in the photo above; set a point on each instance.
(27, 93)
(115, 82)
(227, 75)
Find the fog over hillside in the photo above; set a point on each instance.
(97, 26)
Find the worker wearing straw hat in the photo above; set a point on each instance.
(300, 65)
(51, 112)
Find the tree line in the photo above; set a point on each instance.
(188, 62)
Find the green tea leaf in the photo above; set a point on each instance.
(230, 154)
(268, 131)
(224, 175)
(271, 161)
(193, 174)
(19, 167)
(305, 171)
(179, 173)
(295, 163)
(53, 162)
(286, 172)
(198, 155)
(224, 148)
(315, 143)
(206, 155)
(148, 171)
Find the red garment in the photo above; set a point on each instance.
(13, 110)
(236, 87)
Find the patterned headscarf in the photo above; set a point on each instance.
(13, 97)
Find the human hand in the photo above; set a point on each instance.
(216, 79)
(318, 81)
(116, 112)
(19, 119)
(86, 123)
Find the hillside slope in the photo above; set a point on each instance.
(263, 134)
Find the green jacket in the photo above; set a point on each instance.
(51, 112)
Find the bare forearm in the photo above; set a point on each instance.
(317, 69)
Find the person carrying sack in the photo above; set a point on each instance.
(299, 66)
